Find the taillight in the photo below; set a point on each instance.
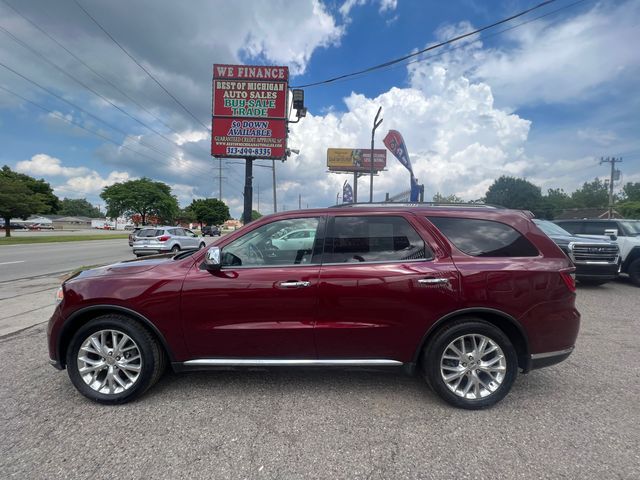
(164, 238)
(568, 281)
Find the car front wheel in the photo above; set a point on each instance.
(470, 364)
(634, 272)
(112, 359)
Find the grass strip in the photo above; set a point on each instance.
(59, 238)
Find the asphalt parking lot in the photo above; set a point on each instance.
(579, 419)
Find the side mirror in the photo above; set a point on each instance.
(612, 234)
(212, 259)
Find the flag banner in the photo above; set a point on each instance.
(415, 190)
(395, 143)
(347, 193)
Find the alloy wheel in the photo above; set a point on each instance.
(109, 361)
(473, 366)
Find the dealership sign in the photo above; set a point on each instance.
(249, 111)
(355, 160)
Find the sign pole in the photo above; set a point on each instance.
(248, 190)
(376, 124)
(355, 187)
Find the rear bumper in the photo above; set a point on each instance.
(546, 359)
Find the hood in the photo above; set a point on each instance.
(565, 240)
(126, 267)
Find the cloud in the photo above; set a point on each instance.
(564, 61)
(278, 31)
(89, 185)
(384, 6)
(43, 164)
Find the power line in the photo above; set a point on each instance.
(122, 132)
(82, 84)
(432, 47)
(141, 66)
(429, 57)
(98, 74)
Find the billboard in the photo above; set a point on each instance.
(249, 111)
(355, 160)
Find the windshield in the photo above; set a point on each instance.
(551, 228)
(631, 227)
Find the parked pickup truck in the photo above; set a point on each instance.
(596, 260)
(625, 233)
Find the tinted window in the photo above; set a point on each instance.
(484, 238)
(575, 228)
(150, 232)
(550, 228)
(269, 245)
(372, 239)
(598, 228)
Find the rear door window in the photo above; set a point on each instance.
(150, 232)
(575, 228)
(484, 238)
(373, 239)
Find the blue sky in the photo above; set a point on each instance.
(543, 101)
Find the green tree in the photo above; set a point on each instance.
(78, 207)
(142, 197)
(255, 215)
(591, 195)
(210, 211)
(629, 209)
(512, 192)
(555, 201)
(439, 198)
(631, 191)
(22, 195)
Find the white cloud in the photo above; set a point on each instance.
(43, 164)
(384, 6)
(89, 185)
(561, 62)
(598, 136)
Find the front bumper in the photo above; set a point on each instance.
(596, 271)
(546, 359)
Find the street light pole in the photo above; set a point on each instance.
(248, 190)
(275, 204)
(376, 124)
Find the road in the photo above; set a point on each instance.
(578, 419)
(37, 259)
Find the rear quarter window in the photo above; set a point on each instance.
(484, 238)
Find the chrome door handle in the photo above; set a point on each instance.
(294, 284)
(433, 281)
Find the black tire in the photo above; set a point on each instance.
(202, 245)
(433, 352)
(153, 360)
(634, 272)
(175, 249)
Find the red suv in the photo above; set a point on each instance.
(466, 295)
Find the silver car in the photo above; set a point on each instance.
(152, 240)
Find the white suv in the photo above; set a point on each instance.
(149, 241)
(626, 233)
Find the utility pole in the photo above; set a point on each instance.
(612, 161)
(220, 179)
(355, 187)
(275, 204)
(248, 190)
(376, 124)
(258, 197)
(299, 201)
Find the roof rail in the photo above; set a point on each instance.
(417, 204)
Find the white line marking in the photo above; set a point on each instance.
(9, 263)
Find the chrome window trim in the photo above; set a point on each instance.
(353, 264)
(277, 362)
(538, 356)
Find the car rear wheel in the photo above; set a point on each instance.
(113, 359)
(175, 249)
(470, 364)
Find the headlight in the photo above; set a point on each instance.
(59, 295)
